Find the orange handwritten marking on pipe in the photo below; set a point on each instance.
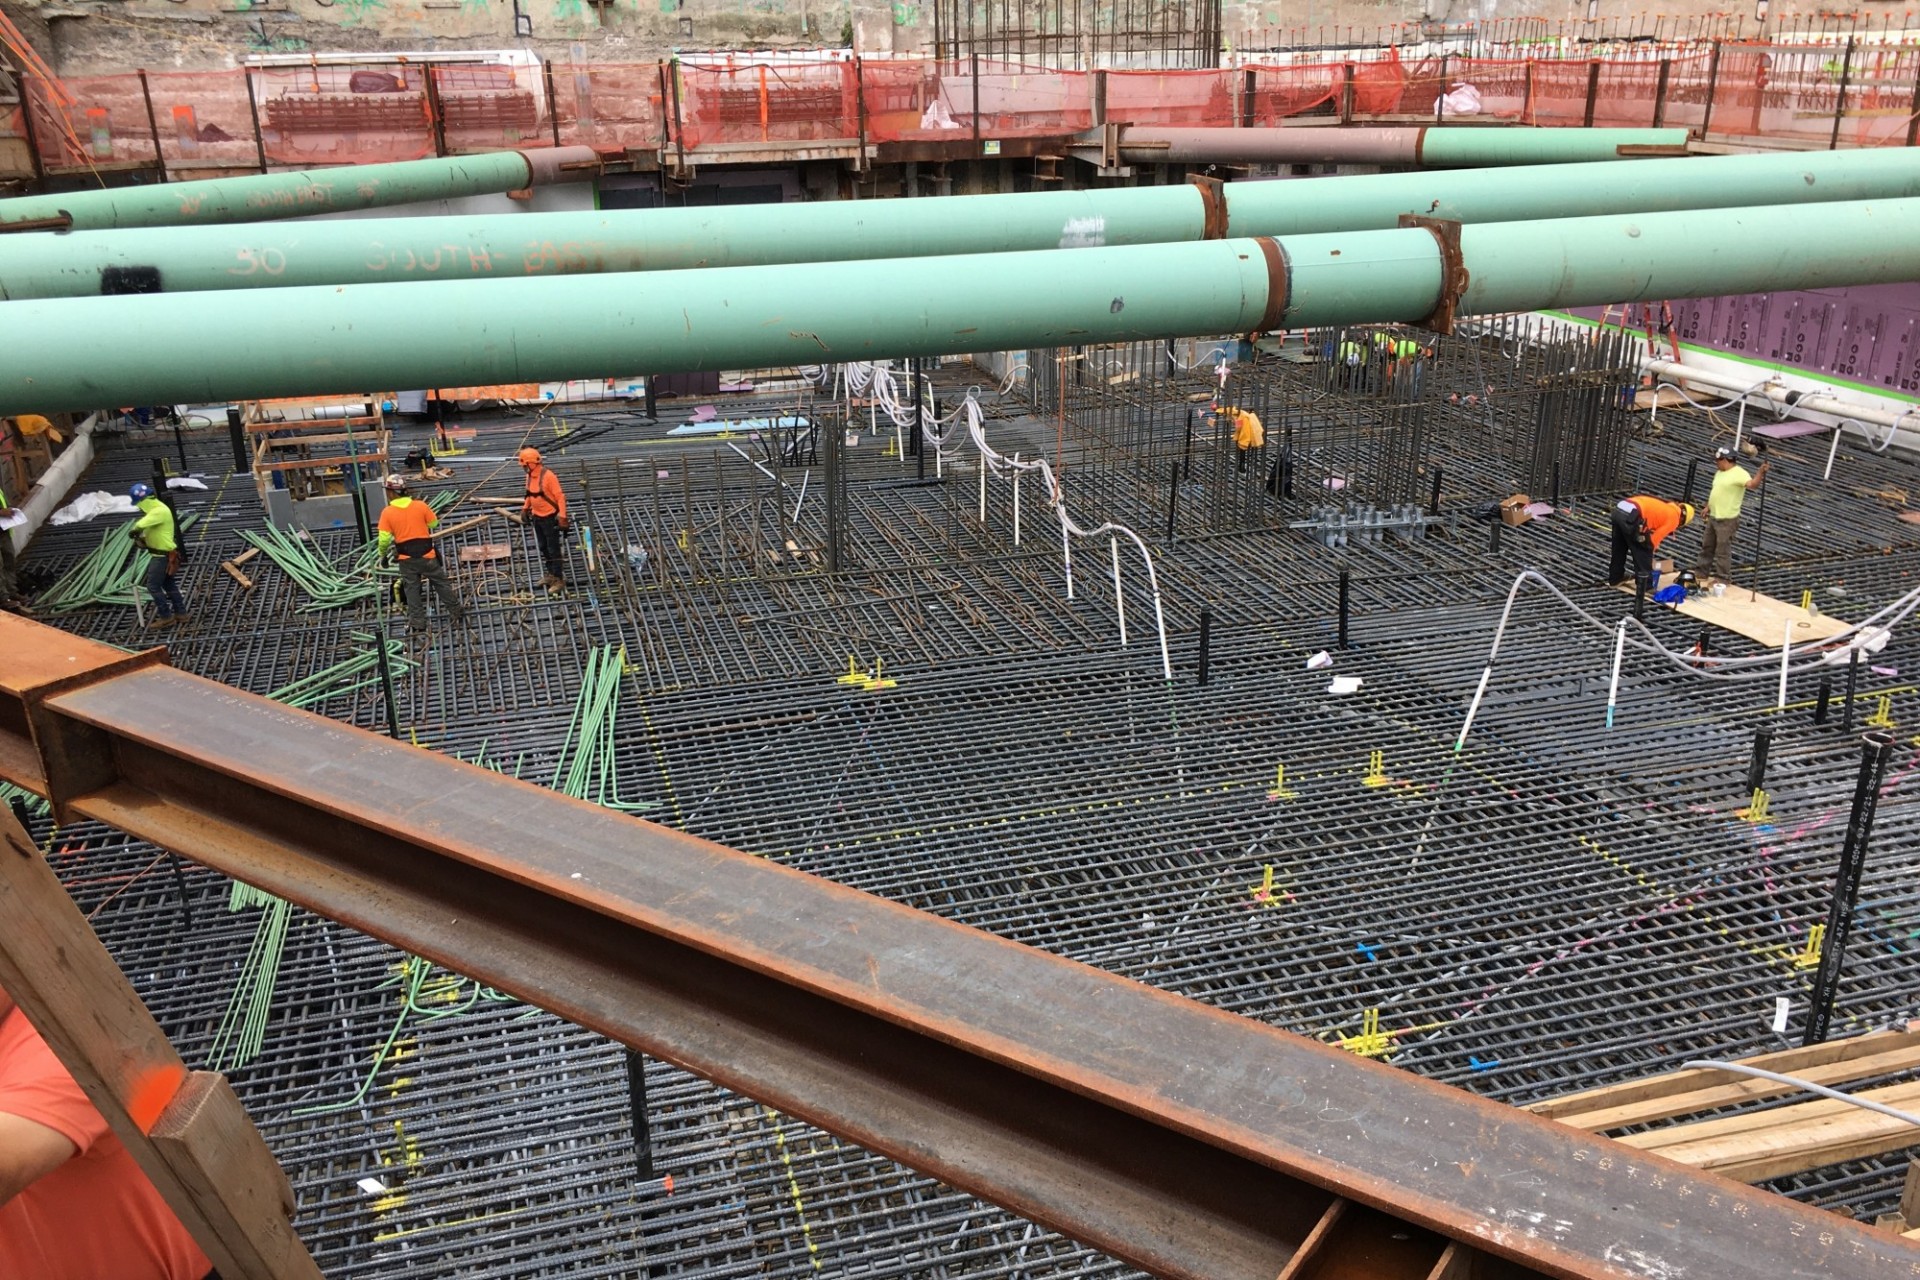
(152, 1090)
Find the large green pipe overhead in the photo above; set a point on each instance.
(1436, 146)
(78, 353)
(264, 196)
(420, 249)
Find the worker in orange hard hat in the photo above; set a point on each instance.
(1640, 524)
(546, 505)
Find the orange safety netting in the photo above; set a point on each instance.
(488, 107)
(359, 114)
(766, 102)
(908, 101)
(105, 126)
(1814, 93)
(1017, 101)
(204, 120)
(1304, 90)
(1171, 98)
(613, 106)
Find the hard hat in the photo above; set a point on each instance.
(1725, 452)
(528, 457)
(396, 481)
(1686, 512)
(140, 492)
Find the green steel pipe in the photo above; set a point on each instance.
(354, 251)
(1434, 146)
(297, 194)
(208, 347)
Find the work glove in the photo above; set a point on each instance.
(566, 525)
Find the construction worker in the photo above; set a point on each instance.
(546, 506)
(155, 532)
(1351, 355)
(1248, 432)
(1640, 524)
(73, 1204)
(1730, 484)
(406, 533)
(1399, 351)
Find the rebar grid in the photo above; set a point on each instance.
(1556, 907)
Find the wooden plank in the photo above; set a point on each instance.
(245, 556)
(464, 525)
(1784, 1061)
(76, 997)
(246, 583)
(318, 463)
(1755, 615)
(1739, 1089)
(1756, 1125)
(375, 437)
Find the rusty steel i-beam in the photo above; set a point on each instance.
(1184, 1140)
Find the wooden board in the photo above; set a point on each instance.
(484, 552)
(1756, 616)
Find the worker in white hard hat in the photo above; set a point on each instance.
(406, 533)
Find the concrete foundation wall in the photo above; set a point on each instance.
(95, 37)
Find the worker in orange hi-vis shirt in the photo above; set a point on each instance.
(546, 505)
(73, 1204)
(406, 530)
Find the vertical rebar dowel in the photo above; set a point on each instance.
(1693, 475)
(1759, 528)
(1639, 594)
(1119, 596)
(1613, 684)
(1853, 676)
(1875, 750)
(1343, 608)
(237, 437)
(919, 421)
(1206, 640)
(1757, 763)
(1433, 499)
(1786, 654)
(1493, 534)
(1556, 482)
(159, 483)
(1823, 698)
(1173, 500)
(1186, 450)
(642, 1121)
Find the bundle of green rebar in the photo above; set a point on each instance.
(355, 673)
(589, 767)
(109, 574)
(243, 1028)
(327, 584)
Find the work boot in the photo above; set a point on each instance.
(155, 624)
(555, 583)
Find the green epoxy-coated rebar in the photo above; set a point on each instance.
(589, 761)
(110, 574)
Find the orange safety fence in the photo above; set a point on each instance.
(203, 119)
(377, 110)
(365, 113)
(768, 102)
(1020, 101)
(104, 127)
(1175, 99)
(910, 101)
(1776, 91)
(490, 107)
(612, 106)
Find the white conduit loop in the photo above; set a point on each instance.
(941, 431)
(1738, 1068)
(1801, 659)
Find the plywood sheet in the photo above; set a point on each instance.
(1756, 616)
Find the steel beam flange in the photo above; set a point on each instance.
(53, 755)
(1453, 270)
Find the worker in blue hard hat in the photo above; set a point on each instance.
(156, 533)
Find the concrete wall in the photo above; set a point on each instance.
(104, 36)
(91, 37)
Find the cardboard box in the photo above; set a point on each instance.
(1514, 510)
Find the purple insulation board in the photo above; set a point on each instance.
(1866, 334)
